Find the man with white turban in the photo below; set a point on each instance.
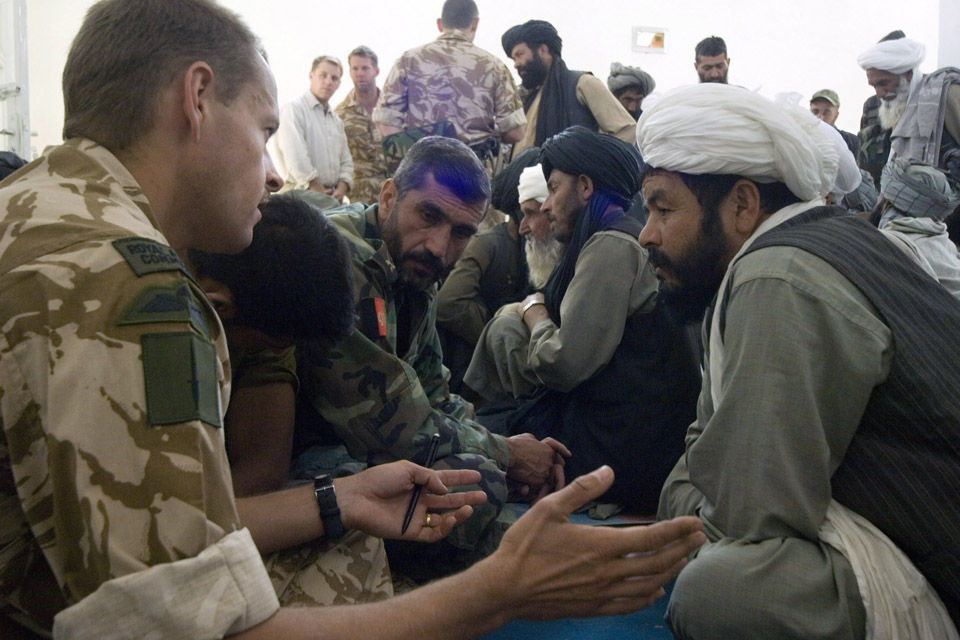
(490, 273)
(824, 461)
(922, 111)
(541, 248)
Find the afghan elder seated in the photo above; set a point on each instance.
(594, 360)
(490, 273)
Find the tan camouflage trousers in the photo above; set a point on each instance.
(351, 570)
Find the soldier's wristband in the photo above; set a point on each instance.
(329, 511)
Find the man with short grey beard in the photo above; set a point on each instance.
(542, 256)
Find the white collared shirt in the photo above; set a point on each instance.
(311, 144)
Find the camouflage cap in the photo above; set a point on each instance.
(829, 95)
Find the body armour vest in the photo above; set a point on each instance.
(920, 133)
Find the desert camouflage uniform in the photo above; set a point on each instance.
(386, 404)
(364, 139)
(451, 79)
(114, 481)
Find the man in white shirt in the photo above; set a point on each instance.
(312, 151)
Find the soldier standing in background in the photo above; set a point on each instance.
(451, 79)
(363, 136)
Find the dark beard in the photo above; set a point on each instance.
(533, 73)
(391, 238)
(699, 271)
(426, 259)
(686, 305)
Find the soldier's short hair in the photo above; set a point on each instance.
(364, 52)
(450, 162)
(710, 46)
(459, 14)
(127, 51)
(294, 280)
(331, 59)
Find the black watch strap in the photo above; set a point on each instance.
(329, 511)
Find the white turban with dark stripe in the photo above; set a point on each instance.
(721, 129)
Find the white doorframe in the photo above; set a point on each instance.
(14, 85)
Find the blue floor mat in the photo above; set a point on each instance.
(646, 624)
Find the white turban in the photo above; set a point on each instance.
(722, 129)
(893, 56)
(532, 186)
(848, 173)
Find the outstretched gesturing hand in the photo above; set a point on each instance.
(556, 569)
(376, 500)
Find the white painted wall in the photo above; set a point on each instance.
(774, 45)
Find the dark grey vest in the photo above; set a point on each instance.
(577, 114)
(902, 468)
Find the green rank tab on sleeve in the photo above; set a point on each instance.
(173, 302)
(148, 256)
(180, 372)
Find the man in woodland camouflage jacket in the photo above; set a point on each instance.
(383, 391)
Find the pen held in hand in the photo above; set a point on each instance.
(431, 458)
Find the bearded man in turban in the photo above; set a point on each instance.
(917, 198)
(630, 85)
(825, 457)
(921, 111)
(600, 365)
(555, 97)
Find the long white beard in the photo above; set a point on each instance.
(892, 110)
(541, 257)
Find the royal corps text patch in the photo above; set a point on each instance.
(148, 256)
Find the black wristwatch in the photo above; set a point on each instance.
(329, 511)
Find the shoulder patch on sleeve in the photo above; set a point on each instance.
(149, 256)
(373, 318)
(174, 302)
(180, 373)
